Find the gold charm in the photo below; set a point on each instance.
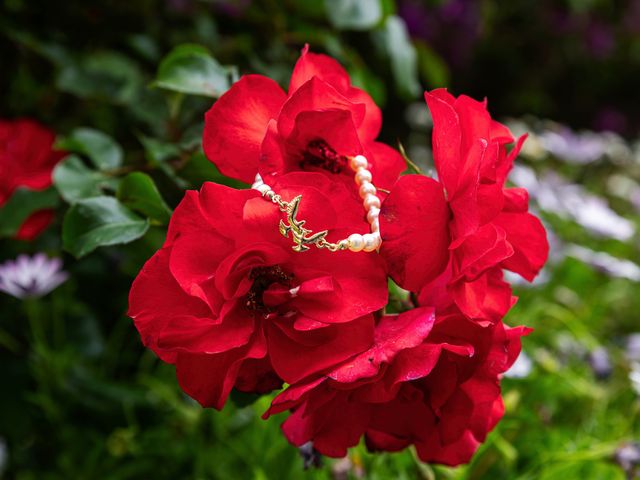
(302, 237)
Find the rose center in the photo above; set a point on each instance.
(263, 278)
(319, 154)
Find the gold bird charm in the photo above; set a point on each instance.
(302, 237)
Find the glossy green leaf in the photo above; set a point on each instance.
(101, 149)
(191, 69)
(21, 205)
(353, 14)
(75, 181)
(393, 39)
(100, 221)
(199, 169)
(138, 192)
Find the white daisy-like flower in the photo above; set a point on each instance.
(31, 277)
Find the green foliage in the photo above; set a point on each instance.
(101, 75)
(191, 69)
(75, 181)
(99, 221)
(433, 69)
(102, 150)
(353, 14)
(81, 396)
(393, 39)
(138, 192)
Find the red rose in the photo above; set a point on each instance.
(468, 224)
(433, 385)
(27, 160)
(231, 304)
(257, 127)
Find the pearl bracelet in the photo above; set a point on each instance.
(303, 237)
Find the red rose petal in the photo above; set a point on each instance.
(527, 236)
(236, 125)
(392, 335)
(413, 224)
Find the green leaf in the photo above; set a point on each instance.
(199, 169)
(394, 40)
(100, 221)
(158, 152)
(353, 14)
(160, 155)
(101, 149)
(138, 192)
(374, 86)
(52, 51)
(191, 69)
(433, 69)
(21, 205)
(75, 181)
(103, 75)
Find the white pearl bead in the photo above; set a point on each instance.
(363, 175)
(367, 188)
(371, 241)
(377, 239)
(358, 161)
(356, 242)
(373, 214)
(263, 189)
(371, 201)
(375, 225)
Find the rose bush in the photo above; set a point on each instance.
(232, 305)
(27, 159)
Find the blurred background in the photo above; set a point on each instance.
(82, 399)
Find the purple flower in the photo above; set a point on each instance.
(628, 457)
(579, 148)
(600, 363)
(554, 194)
(633, 347)
(31, 277)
